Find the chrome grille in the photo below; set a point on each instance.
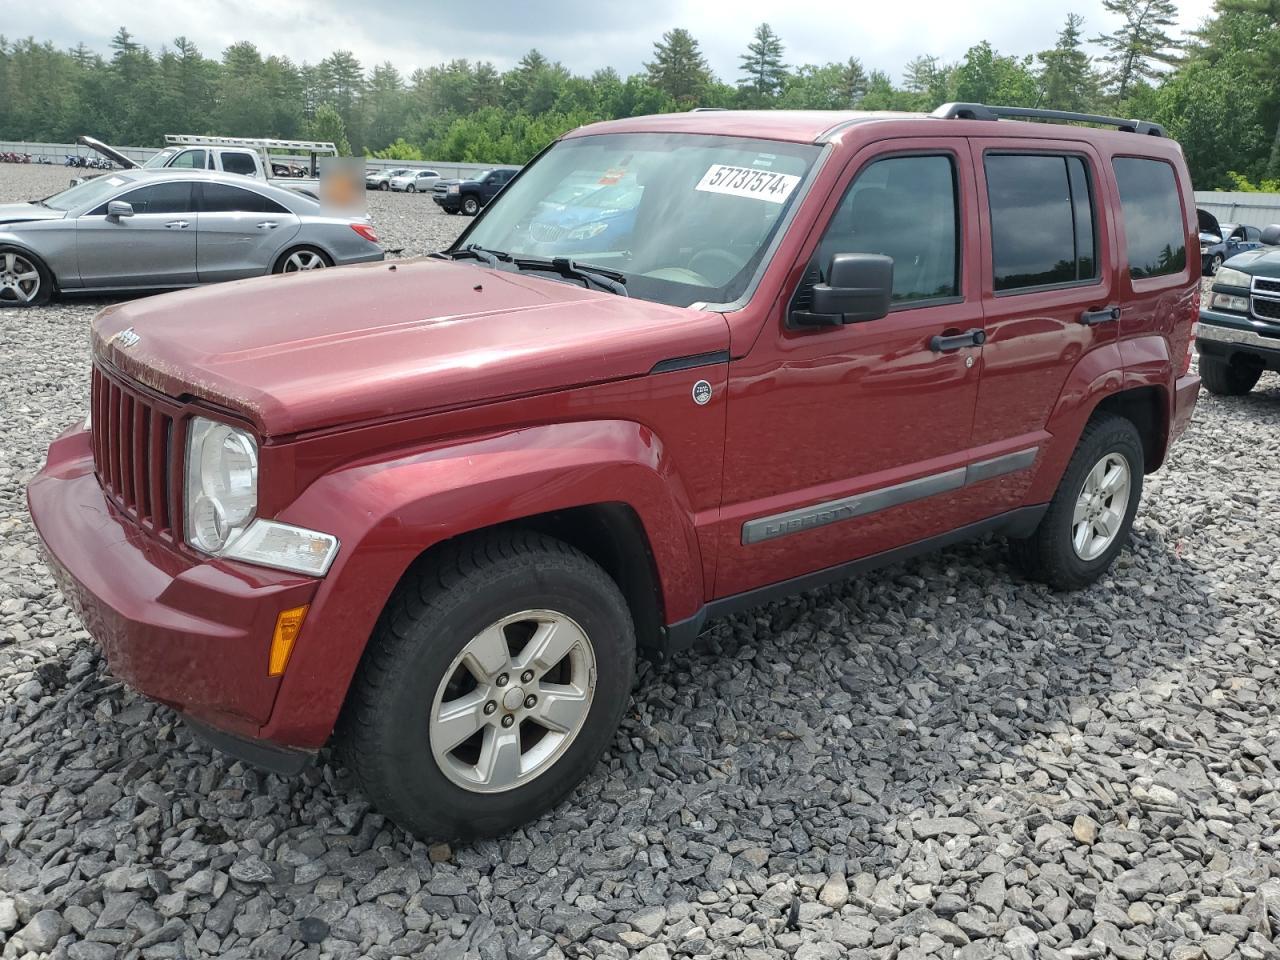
(546, 232)
(1266, 309)
(133, 440)
(1264, 285)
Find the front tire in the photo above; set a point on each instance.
(1091, 513)
(1215, 264)
(384, 185)
(1229, 378)
(24, 279)
(411, 189)
(495, 679)
(470, 206)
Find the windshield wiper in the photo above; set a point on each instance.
(601, 278)
(489, 257)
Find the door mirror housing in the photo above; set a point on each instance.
(119, 208)
(1271, 235)
(858, 288)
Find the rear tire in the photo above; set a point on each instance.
(444, 662)
(302, 259)
(24, 279)
(470, 206)
(1229, 378)
(1068, 550)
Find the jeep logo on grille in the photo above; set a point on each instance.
(125, 338)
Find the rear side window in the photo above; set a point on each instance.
(904, 208)
(220, 198)
(1154, 231)
(1042, 220)
(240, 163)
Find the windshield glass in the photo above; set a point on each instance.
(87, 194)
(684, 218)
(161, 158)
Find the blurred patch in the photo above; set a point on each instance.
(342, 186)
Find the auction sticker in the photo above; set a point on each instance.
(748, 182)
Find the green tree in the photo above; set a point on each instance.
(1136, 47)
(763, 72)
(327, 125)
(985, 76)
(678, 67)
(1067, 81)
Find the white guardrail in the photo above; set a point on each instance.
(58, 152)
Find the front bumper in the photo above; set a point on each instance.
(193, 633)
(1223, 335)
(448, 202)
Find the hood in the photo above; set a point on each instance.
(1257, 263)
(299, 352)
(18, 212)
(1210, 238)
(111, 153)
(1208, 222)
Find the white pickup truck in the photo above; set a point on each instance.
(248, 157)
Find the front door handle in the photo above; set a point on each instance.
(268, 225)
(177, 225)
(1092, 318)
(945, 343)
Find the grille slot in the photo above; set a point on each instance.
(1267, 309)
(1265, 285)
(132, 441)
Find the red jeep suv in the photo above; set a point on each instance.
(430, 510)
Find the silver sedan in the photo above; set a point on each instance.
(148, 230)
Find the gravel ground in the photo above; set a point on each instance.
(936, 760)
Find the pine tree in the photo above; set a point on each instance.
(1140, 44)
(920, 74)
(763, 72)
(679, 69)
(853, 81)
(1066, 77)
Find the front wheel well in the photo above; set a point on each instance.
(612, 535)
(1147, 409)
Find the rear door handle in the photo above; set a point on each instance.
(177, 225)
(268, 225)
(947, 343)
(1092, 318)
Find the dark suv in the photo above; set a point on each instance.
(1238, 335)
(470, 196)
(432, 512)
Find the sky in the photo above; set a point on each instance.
(584, 35)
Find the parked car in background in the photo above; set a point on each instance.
(415, 181)
(584, 218)
(1238, 335)
(472, 195)
(1220, 242)
(430, 514)
(146, 230)
(381, 179)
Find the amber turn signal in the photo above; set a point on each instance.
(287, 626)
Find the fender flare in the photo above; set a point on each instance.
(387, 511)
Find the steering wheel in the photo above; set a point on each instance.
(716, 263)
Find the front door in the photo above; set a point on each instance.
(846, 441)
(240, 232)
(156, 247)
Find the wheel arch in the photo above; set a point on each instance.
(1147, 408)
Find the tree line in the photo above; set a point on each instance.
(1217, 90)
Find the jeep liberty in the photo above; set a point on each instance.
(430, 511)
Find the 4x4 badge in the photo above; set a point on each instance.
(701, 392)
(125, 338)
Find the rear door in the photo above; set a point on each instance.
(156, 247)
(239, 233)
(1048, 286)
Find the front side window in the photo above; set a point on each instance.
(169, 197)
(1155, 235)
(190, 160)
(1042, 221)
(241, 163)
(687, 217)
(904, 208)
(221, 198)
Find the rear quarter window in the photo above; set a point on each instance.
(1155, 234)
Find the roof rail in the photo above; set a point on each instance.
(705, 109)
(980, 111)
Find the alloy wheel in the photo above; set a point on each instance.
(303, 260)
(512, 701)
(1100, 507)
(19, 279)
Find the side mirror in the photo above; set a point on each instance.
(119, 208)
(1271, 235)
(858, 288)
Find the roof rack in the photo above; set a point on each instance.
(980, 111)
(309, 146)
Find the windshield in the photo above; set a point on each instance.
(86, 194)
(161, 158)
(684, 218)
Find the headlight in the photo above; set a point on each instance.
(1231, 278)
(222, 500)
(453, 188)
(1203, 249)
(1229, 301)
(222, 483)
(587, 231)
